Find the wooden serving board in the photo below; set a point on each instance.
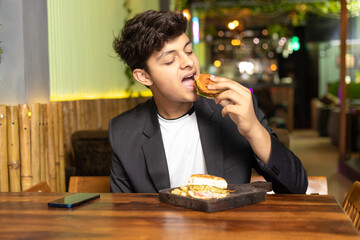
(244, 194)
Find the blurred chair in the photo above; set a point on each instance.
(317, 184)
(87, 184)
(351, 204)
(40, 187)
(92, 152)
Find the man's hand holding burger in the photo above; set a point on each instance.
(237, 103)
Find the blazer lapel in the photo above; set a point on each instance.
(154, 152)
(211, 138)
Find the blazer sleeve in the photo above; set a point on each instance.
(119, 181)
(284, 169)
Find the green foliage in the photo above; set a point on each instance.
(352, 90)
(297, 12)
(281, 30)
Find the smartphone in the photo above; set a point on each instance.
(73, 200)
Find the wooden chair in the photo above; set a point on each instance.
(351, 204)
(92, 152)
(40, 187)
(93, 184)
(317, 184)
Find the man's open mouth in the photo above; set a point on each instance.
(188, 81)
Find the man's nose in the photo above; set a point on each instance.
(186, 61)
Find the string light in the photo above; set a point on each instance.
(217, 63)
(273, 67)
(236, 42)
(231, 25)
(186, 14)
(221, 47)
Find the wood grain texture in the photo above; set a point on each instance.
(61, 149)
(4, 171)
(13, 148)
(51, 159)
(35, 142)
(143, 216)
(351, 204)
(89, 184)
(43, 140)
(55, 121)
(25, 149)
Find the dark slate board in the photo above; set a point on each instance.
(244, 194)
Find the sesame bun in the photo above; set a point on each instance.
(201, 83)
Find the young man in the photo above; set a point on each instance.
(160, 143)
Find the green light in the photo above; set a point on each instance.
(295, 43)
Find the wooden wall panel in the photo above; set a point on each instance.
(13, 148)
(4, 171)
(25, 149)
(35, 139)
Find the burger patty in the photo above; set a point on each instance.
(205, 188)
(201, 83)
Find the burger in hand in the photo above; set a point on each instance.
(201, 83)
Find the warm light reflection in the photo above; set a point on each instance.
(217, 63)
(236, 42)
(273, 67)
(246, 67)
(347, 79)
(349, 60)
(221, 47)
(231, 25)
(186, 14)
(29, 113)
(114, 95)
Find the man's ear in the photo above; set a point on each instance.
(142, 77)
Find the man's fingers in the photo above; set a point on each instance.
(230, 108)
(228, 96)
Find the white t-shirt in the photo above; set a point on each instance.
(183, 148)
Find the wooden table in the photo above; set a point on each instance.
(142, 216)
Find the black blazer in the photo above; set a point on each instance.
(139, 161)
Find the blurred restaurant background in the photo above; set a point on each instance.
(61, 81)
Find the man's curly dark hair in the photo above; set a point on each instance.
(145, 33)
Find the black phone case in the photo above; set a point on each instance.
(73, 200)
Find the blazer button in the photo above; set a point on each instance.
(275, 170)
